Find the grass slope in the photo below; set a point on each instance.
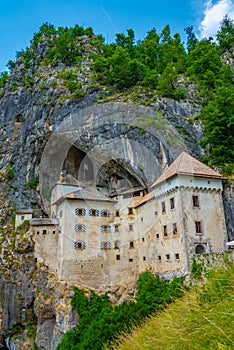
(202, 319)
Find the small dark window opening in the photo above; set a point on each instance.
(157, 235)
(172, 203)
(165, 233)
(195, 202)
(198, 226)
(93, 212)
(130, 211)
(142, 219)
(22, 217)
(79, 212)
(155, 213)
(44, 232)
(159, 258)
(163, 207)
(177, 256)
(117, 257)
(131, 244)
(143, 239)
(130, 260)
(174, 228)
(117, 213)
(116, 245)
(38, 232)
(144, 258)
(54, 232)
(116, 228)
(168, 256)
(200, 249)
(130, 227)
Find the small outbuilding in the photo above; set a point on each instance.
(22, 215)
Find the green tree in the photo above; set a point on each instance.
(191, 38)
(225, 35)
(218, 122)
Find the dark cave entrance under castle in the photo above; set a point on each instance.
(112, 175)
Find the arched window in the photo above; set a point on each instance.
(200, 249)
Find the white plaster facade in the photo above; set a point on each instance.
(22, 215)
(102, 241)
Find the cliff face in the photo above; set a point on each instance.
(36, 101)
(44, 129)
(35, 306)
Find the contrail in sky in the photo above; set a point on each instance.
(109, 18)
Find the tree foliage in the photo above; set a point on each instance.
(159, 62)
(100, 322)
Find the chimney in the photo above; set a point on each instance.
(61, 178)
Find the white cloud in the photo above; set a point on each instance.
(213, 15)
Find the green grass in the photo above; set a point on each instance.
(202, 319)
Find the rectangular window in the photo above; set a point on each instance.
(172, 203)
(159, 258)
(105, 228)
(168, 256)
(130, 260)
(22, 217)
(130, 227)
(80, 228)
(177, 256)
(155, 213)
(80, 211)
(130, 211)
(116, 228)
(143, 239)
(144, 258)
(163, 207)
(44, 232)
(165, 233)
(93, 212)
(105, 213)
(117, 257)
(195, 202)
(117, 213)
(105, 245)
(116, 245)
(157, 235)
(174, 228)
(131, 244)
(198, 226)
(142, 219)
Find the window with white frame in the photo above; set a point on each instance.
(80, 211)
(93, 212)
(198, 226)
(79, 245)
(105, 213)
(105, 228)
(80, 228)
(105, 245)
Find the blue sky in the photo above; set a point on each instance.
(19, 19)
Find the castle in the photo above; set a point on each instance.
(98, 239)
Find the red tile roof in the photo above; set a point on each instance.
(187, 165)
